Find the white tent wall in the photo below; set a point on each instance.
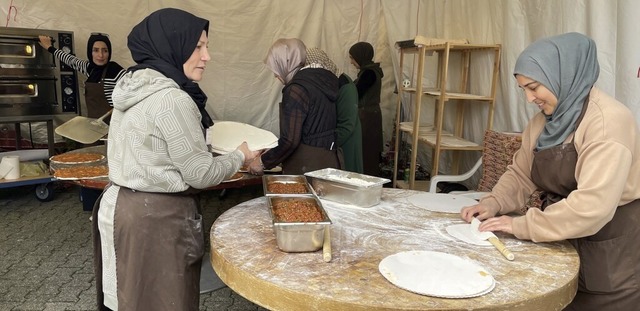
(240, 88)
(515, 24)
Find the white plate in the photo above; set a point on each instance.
(275, 169)
(441, 202)
(436, 274)
(226, 136)
(233, 179)
(80, 178)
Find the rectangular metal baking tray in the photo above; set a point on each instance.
(347, 187)
(295, 237)
(285, 179)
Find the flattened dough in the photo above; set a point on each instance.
(463, 233)
(226, 136)
(436, 274)
(441, 202)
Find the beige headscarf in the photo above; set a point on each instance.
(316, 56)
(286, 57)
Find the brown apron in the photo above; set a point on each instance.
(609, 259)
(159, 245)
(96, 100)
(308, 158)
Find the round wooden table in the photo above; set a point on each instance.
(244, 254)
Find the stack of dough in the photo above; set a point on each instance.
(226, 136)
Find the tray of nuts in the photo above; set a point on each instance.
(285, 184)
(299, 222)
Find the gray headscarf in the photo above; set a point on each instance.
(568, 66)
(286, 57)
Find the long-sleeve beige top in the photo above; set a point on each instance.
(607, 173)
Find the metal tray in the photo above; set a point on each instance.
(347, 187)
(295, 237)
(285, 179)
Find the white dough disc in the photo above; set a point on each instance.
(463, 233)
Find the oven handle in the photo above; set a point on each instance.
(36, 39)
(25, 78)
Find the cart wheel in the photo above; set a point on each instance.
(44, 192)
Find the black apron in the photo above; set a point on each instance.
(372, 141)
(96, 100)
(610, 259)
(309, 158)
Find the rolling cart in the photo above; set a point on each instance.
(44, 187)
(44, 190)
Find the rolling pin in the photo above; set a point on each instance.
(326, 245)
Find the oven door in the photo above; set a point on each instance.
(24, 51)
(28, 96)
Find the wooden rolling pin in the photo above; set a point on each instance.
(326, 245)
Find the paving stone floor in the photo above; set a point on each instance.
(46, 250)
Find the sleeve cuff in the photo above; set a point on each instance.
(520, 228)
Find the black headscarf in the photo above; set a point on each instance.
(362, 53)
(164, 41)
(95, 74)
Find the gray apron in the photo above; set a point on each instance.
(159, 245)
(609, 259)
(96, 100)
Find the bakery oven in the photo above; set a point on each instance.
(32, 81)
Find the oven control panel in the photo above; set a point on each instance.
(68, 78)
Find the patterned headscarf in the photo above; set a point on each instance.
(319, 57)
(568, 66)
(286, 57)
(362, 53)
(164, 41)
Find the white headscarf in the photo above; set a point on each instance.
(568, 66)
(286, 57)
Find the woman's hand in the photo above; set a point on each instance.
(45, 41)
(502, 223)
(479, 211)
(489, 222)
(249, 155)
(256, 167)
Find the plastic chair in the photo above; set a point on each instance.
(497, 154)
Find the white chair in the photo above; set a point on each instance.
(497, 154)
(474, 194)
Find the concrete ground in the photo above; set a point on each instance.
(46, 260)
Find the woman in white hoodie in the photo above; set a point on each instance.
(148, 234)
